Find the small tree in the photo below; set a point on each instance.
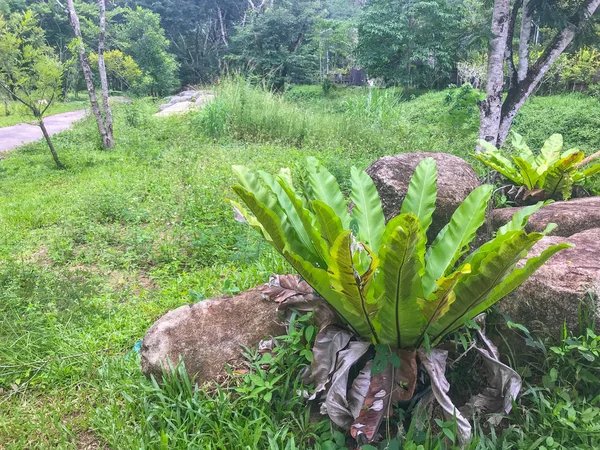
(30, 72)
(144, 40)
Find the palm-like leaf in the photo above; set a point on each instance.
(453, 240)
(422, 193)
(487, 271)
(326, 189)
(367, 210)
(494, 159)
(559, 176)
(399, 319)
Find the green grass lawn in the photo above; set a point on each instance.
(91, 256)
(18, 113)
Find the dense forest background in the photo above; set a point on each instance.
(155, 47)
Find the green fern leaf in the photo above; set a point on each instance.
(517, 277)
(488, 269)
(454, 239)
(330, 225)
(325, 188)
(422, 193)
(367, 210)
(399, 320)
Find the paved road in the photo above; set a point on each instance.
(16, 135)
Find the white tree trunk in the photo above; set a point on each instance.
(524, 39)
(223, 33)
(491, 107)
(87, 74)
(110, 140)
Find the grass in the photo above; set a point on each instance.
(91, 256)
(19, 114)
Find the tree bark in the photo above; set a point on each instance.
(223, 33)
(510, 57)
(524, 39)
(87, 74)
(52, 149)
(491, 107)
(110, 140)
(520, 93)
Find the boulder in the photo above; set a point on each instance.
(184, 103)
(392, 174)
(553, 293)
(188, 97)
(209, 334)
(571, 217)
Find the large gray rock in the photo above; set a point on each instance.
(553, 293)
(571, 217)
(189, 98)
(209, 334)
(392, 174)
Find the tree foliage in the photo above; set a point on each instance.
(413, 43)
(276, 42)
(30, 72)
(141, 37)
(122, 71)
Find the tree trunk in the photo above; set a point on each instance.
(52, 149)
(524, 38)
(110, 140)
(223, 33)
(491, 107)
(519, 94)
(5, 101)
(87, 74)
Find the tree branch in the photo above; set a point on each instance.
(510, 58)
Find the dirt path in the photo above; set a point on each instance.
(23, 133)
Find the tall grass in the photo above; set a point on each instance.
(250, 114)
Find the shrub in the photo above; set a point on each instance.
(547, 174)
(381, 279)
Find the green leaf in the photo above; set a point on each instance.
(488, 270)
(440, 300)
(251, 183)
(399, 319)
(330, 225)
(308, 221)
(318, 279)
(367, 210)
(422, 193)
(518, 276)
(528, 173)
(289, 214)
(493, 158)
(269, 221)
(591, 170)
(520, 218)
(524, 151)
(325, 188)
(344, 277)
(558, 178)
(549, 153)
(453, 241)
